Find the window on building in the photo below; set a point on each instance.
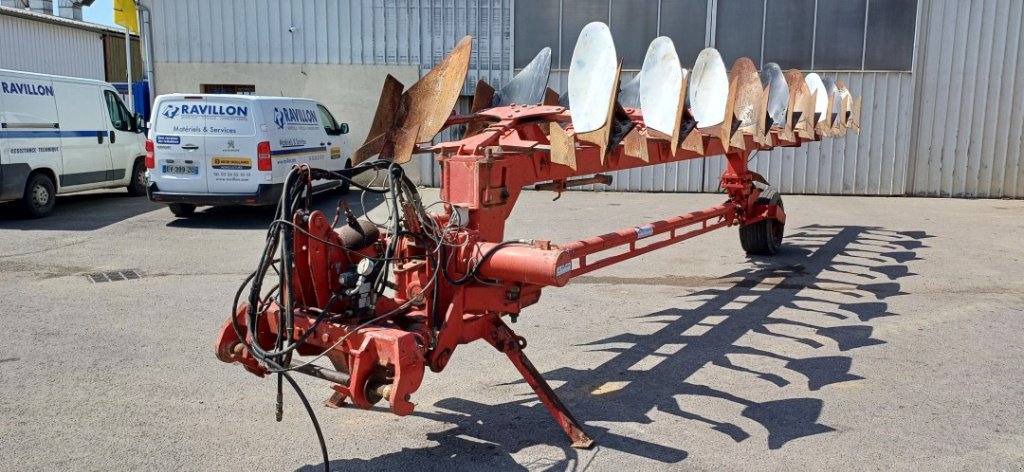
(536, 28)
(634, 25)
(120, 117)
(575, 15)
(738, 30)
(789, 33)
(890, 35)
(685, 21)
(229, 89)
(839, 39)
(804, 34)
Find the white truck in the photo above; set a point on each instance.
(60, 135)
(235, 149)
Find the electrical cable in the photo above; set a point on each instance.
(294, 206)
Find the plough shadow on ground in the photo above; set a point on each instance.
(838, 276)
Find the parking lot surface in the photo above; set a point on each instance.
(888, 334)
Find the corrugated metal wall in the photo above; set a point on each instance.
(45, 48)
(969, 115)
(401, 32)
(951, 128)
(872, 163)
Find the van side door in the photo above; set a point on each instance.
(123, 138)
(333, 131)
(29, 131)
(83, 136)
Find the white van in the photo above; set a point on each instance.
(60, 135)
(235, 149)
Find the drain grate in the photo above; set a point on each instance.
(115, 276)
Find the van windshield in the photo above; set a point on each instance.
(209, 117)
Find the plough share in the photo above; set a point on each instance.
(383, 303)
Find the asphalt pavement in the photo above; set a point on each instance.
(887, 335)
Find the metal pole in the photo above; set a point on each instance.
(146, 34)
(128, 63)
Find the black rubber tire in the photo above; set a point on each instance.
(182, 210)
(345, 185)
(764, 238)
(137, 186)
(40, 196)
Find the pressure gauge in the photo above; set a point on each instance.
(365, 267)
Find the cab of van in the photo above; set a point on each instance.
(234, 149)
(60, 135)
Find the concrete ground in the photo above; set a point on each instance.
(888, 334)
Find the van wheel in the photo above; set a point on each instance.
(345, 185)
(182, 210)
(40, 196)
(137, 186)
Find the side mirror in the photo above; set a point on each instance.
(343, 128)
(138, 123)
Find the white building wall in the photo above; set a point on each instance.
(45, 48)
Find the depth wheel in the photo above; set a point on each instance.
(764, 238)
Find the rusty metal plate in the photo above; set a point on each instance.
(661, 81)
(387, 107)
(563, 149)
(483, 97)
(592, 78)
(430, 101)
(796, 115)
(708, 89)
(846, 101)
(383, 120)
(748, 93)
(855, 115)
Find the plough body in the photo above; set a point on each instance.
(451, 277)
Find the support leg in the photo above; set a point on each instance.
(505, 340)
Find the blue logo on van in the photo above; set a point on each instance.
(170, 111)
(297, 116)
(279, 118)
(14, 88)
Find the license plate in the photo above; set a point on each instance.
(181, 170)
